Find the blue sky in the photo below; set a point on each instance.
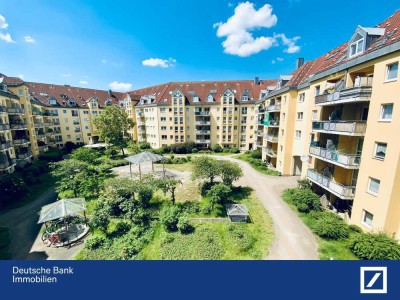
(133, 44)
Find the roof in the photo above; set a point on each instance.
(61, 208)
(12, 81)
(237, 210)
(162, 93)
(144, 157)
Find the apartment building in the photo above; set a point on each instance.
(334, 121)
(206, 112)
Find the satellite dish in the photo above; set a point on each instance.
(304, 158)
(1, 79)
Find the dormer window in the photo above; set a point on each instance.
(245, 97)
(210, 98)
(357, 46)
(71, 102)
(52, 101)
(94, 103)
(108, 102)
(196, 99)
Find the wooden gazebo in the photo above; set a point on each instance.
(142, 158)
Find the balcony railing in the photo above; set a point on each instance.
(56, 123)
(258, 144)
(37, 113)
(203, 122)
(348, 161)
(5, 145)
(49, 133)
(24, 155)
(48, 124)
(40, 135)
(340, 190)
(260, 111)
(15, 110)
(341, 127)
(202, 113)
(3, 109)
(20, 141)
(274, 107)
(269, 152)
(18, 126)
(260, 122)
(202, 132)
(43, 148)
(271, 138)
(40, 124)
(77, 130)
(202, 141)
(271, 123)
(258, 132)
(4, 127)
(7, 164)
(51, 142)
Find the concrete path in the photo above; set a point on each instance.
(293, 239)
(25, 234)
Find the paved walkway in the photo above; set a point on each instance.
(293, 239)
(25, 234)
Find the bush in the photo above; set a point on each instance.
(217, 148)
(304, 184)
(144, 145)
(88, 155)
(195, 150)
(166, 149)
(256, 154)
(69, 146)
(219, 193)
(169, 217)
(190, 207)
(52, 155)
(330, 226)
(225, 150)
(205, 187)
(12, 187)
(95, 242)
(184, 225)
(375, 247)
(305, 200)
(355, 229)
(120, 228)
(240, 237)
(183, 148)
(235, 150)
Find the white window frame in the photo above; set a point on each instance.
(387, 72)
(363, 222)
(356, 43)
(298, 134)
(375, 149)
(300, 113)
(369, 185)
(381, 113)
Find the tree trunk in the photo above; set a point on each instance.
(173, 196)
(123, 153)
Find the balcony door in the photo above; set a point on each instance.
(364, 113)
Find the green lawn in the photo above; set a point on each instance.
(327, 249)
(4, 243)
(257, 164)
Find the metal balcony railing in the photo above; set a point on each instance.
(20, 141)
(202, 141)
(346, 127)
(274, 107)
(5, 145)
(15, 110)
(3, 109)
(269, 152)
(202, 132)
(202, 113)
(4, 127)
(18, 126)
(271, 138)
(340, 190)
(203, 122)
(24, 155)
(258, 132)
(349, 161)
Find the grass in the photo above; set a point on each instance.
(327, 249)
(257, 164)
(186, 167)
(4, 243)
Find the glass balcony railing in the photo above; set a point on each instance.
(202, 141)
(271, 138)
(271, 123)
(348, 161)
(269, 152)
(341, 127)
(274, 107)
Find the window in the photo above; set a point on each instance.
(367, 219)
(162, 110)
(386, 112)
(244, 110)
(210, 98)
(87, 127)
(380, 150)
(64, 111)
(85, 112)
(163, 137)
(357, 47)
(282, 132)
(283, 116)
(245, 97)
(317, 90)
(163, 127)
(163, 119)
(67, 128)
(52, 101)
(298, 134)
(281, 148)
(314, 115)
(108, 103)
(195, 99)
(391, 72)
(300, 116)
(302, 97)
(373, 185)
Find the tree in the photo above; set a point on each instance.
(219, 193)
(113, 125)
(217, 148)
(169, 217)
(87, 155)
(69, 146)
(229, 171)
(169, 185)
(205, 168)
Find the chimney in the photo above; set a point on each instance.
(110, 93)
(299, 62)
(256, 80)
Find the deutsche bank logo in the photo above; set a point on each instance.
(373, 280)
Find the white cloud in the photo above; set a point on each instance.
(104, 61)
(279, 59)
(120, 86)
(230, 4)
(83, 82)
(289, 42)
(29, 39)
(6, 37)
(273, 61)
(3, 22)
(66, 75)
(237, 30)
(21, 76)
(158, 62)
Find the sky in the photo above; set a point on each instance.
(126, 45)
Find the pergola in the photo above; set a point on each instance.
(145, 157)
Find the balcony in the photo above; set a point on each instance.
(258, 144)
(4, 165)
(202, 132)
(37, 113)
(4, 145)
(48, 124)
(203, 123)
(202, 113)
(260, 122)
(20, 141)
(3, 109)
(49, 133)
(271, 123)
(43, 148)
(23, 156)
(140, 123)
(341, 191)
(260, 111)
(51, 142)
(258, 133)
(40, 135)
(15, 110)
(18, 126)
(4, 127)
(77, 130)
(351, 128)
(274, 107)
(271, 138)
(347, 161)
(56, 123)
(39, 124)
(269, 152)
(202, 141)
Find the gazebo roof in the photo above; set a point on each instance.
(61, 208)
(144, 157)
(237, 210)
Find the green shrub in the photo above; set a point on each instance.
(305, 200)
(183, 148)
(304, 184)
(195, 150)
(241, 238)
(12, 187)
(184, 225)
(190, 207)
(95, 242)
(169, 217)
(52, 155)
(256, 154)
(120, 228)
(235, 150)
(144, 145)
(375, 247)
(205, 187)
(355, 229)
(330, 226)
(217, 148)
(226, 150)
(166, 149)
(69, 146)
(219, 193)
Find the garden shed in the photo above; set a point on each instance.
(237, 212)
